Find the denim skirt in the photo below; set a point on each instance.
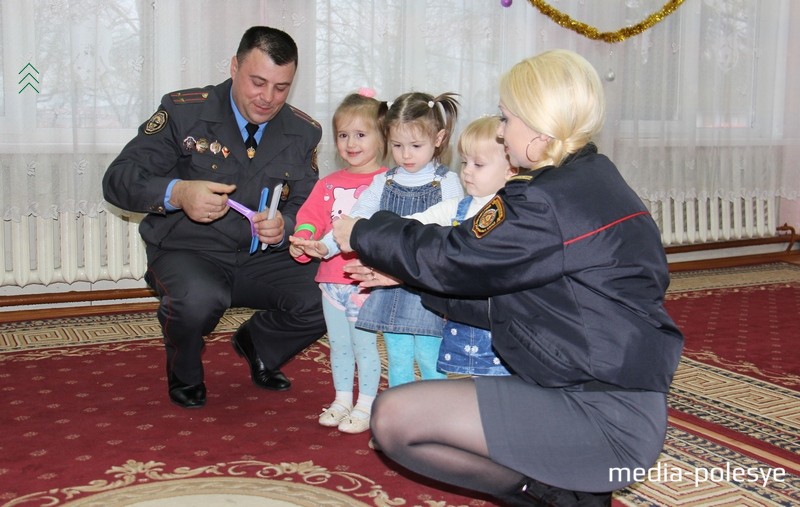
(468, 350)
(398, 310)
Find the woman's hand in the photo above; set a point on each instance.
(367, 276)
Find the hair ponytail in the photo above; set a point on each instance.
(428, 113)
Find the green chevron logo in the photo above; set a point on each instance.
(29, 78)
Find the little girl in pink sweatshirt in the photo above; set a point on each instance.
(360, 143)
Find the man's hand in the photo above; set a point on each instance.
(270, 231)
(202, 201)
(342, 228)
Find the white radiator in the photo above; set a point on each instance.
(72, 248)
(78, 248)
(714, 219)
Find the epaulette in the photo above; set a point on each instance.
(189, 96)
(523, 177)
(519, 183)
(303, 116)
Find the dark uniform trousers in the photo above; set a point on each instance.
(196, 288)
(200, 270)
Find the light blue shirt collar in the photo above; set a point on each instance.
(242, 122)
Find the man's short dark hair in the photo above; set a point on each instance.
(277, 44)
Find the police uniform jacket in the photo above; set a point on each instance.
(565, 266)
(194, 136)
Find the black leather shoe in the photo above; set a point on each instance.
(262, 376)
(532, 493)
(185, 395)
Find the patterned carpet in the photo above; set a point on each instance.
(744, 323)
(71, 437)
(90, 424)
(734, 403)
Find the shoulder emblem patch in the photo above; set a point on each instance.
(490, 216)
(156, 123)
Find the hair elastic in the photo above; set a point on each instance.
(366, 92)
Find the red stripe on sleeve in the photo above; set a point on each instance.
(612, 224)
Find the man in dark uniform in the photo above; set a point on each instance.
(201, 146)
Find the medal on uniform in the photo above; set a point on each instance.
(189, 143)
(251, 152)
(225, 151)
(202, 145)
(215, 147)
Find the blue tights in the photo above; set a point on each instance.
(351, 346)
(403, 349)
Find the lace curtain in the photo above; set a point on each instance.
(703, 103)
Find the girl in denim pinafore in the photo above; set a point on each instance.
(417, 127)
(410, 331)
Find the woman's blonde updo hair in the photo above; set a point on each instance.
(557, 93)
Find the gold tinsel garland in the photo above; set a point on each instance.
(610, 37)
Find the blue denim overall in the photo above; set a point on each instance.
(466, 349)
(399, 309)
(412, 333)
